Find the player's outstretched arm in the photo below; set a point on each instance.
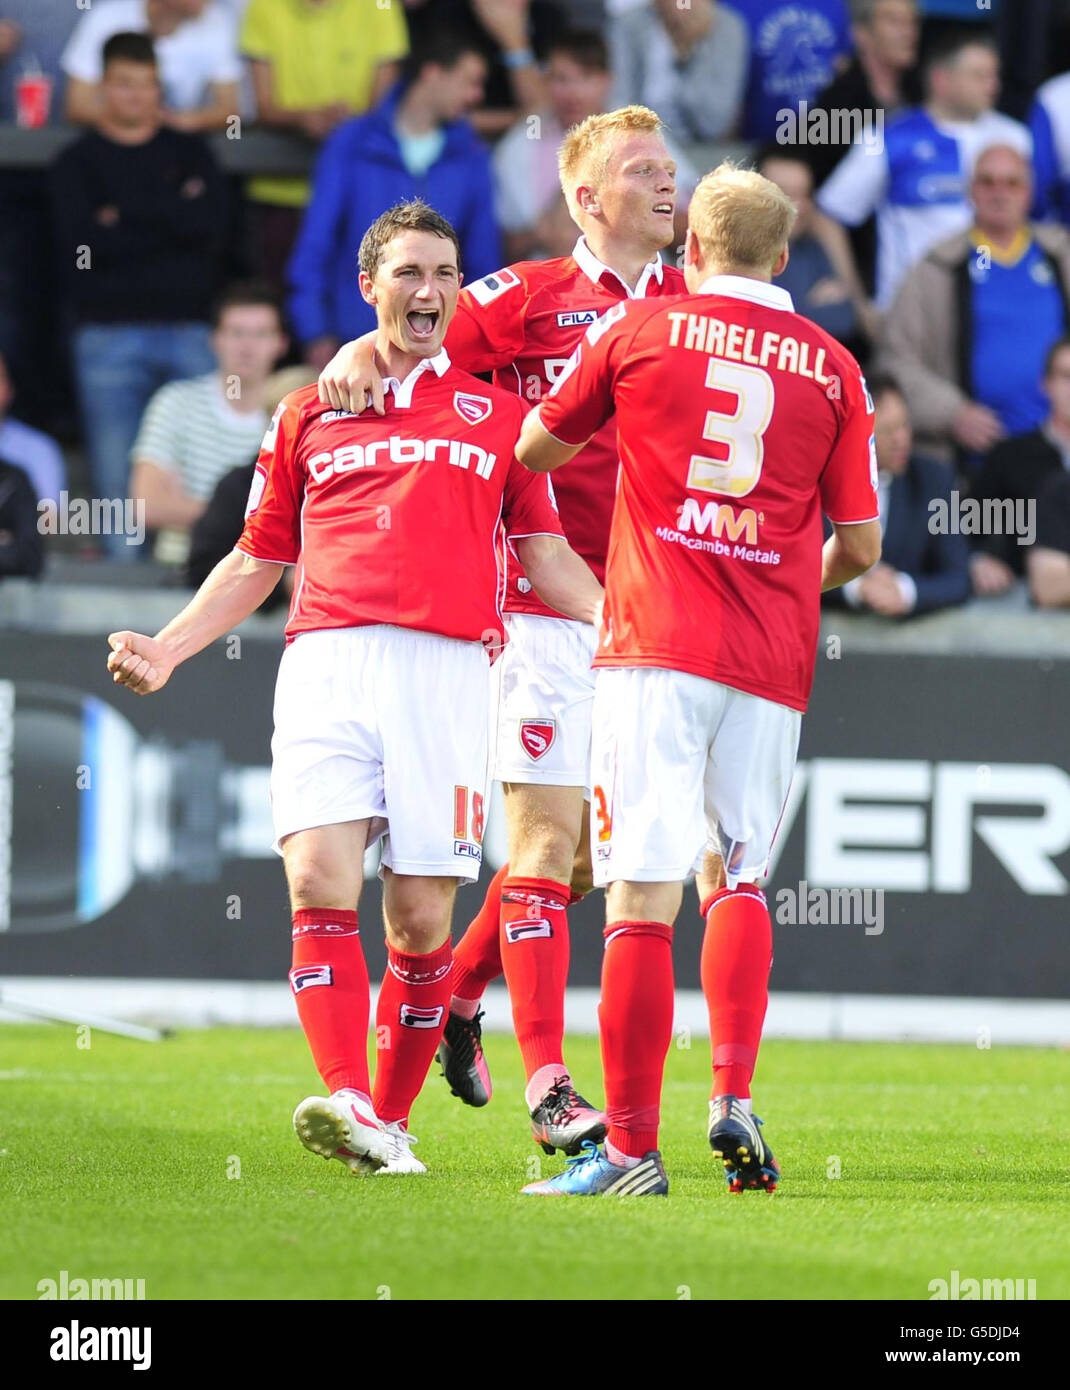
(541, 451)
(560, 577)
(351, 379)
(849, 552)
(235, 588)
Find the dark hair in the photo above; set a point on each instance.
(129, 47)
(946, 50)
(412, 216)
(1060, 345)
(883, 384)
(774, 151)
(247, 294)
(443, 45)
(586, 47)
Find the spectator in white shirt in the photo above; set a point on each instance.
(917, 177)
(195, 431)
(688, 63)
(196, 50)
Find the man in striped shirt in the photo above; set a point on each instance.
(195, 431)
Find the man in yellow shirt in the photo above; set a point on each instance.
(314, 64)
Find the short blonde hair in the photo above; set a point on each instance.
(586, 150)
(740, 218)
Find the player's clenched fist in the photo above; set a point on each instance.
(143, 664)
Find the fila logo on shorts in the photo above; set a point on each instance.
(305, 976)
(410, 1016)
(472, 409)
(537, 736)
(527, 928)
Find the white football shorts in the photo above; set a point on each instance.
(680, 765)
(387, 723)
(545, 697)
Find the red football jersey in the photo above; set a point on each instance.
(522, 324)
(394, 518)
(739, 421)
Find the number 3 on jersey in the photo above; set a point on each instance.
(741, 432)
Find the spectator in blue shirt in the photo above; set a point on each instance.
(416, 143)
(818, 275)
(972, 323)
(797, 47)
(1049, 121)
(917, 179)
(37, 454)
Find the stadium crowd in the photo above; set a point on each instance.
(154, 306)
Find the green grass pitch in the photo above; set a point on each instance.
(177, 1163)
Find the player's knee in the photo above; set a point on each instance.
(315, 884)
(417, 933)
(547, 851)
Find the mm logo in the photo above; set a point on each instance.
(720, 520)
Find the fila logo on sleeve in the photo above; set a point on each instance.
(409, 1016)
(305, 976)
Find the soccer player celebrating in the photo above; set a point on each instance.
(381, 706)
(739, 422)
(522, 324)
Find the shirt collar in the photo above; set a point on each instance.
(1010, 255)
(593, 268)
(741, 287)
(439, 364)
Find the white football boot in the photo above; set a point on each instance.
(402, 1159)
(344, 1126)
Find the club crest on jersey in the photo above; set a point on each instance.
(410, 1016)
(305, 976)
(576, 318)
(527, 928)
(537, 736)
(472, 409)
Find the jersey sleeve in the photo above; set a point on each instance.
(487, 331)
(528, 504)
(581, 400)
(273, 512)
(849, 480)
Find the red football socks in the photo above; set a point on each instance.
(635, 1018)
(737, 953)
(535, 955)
(477, 957)
(329, 980)
(409, 1020)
